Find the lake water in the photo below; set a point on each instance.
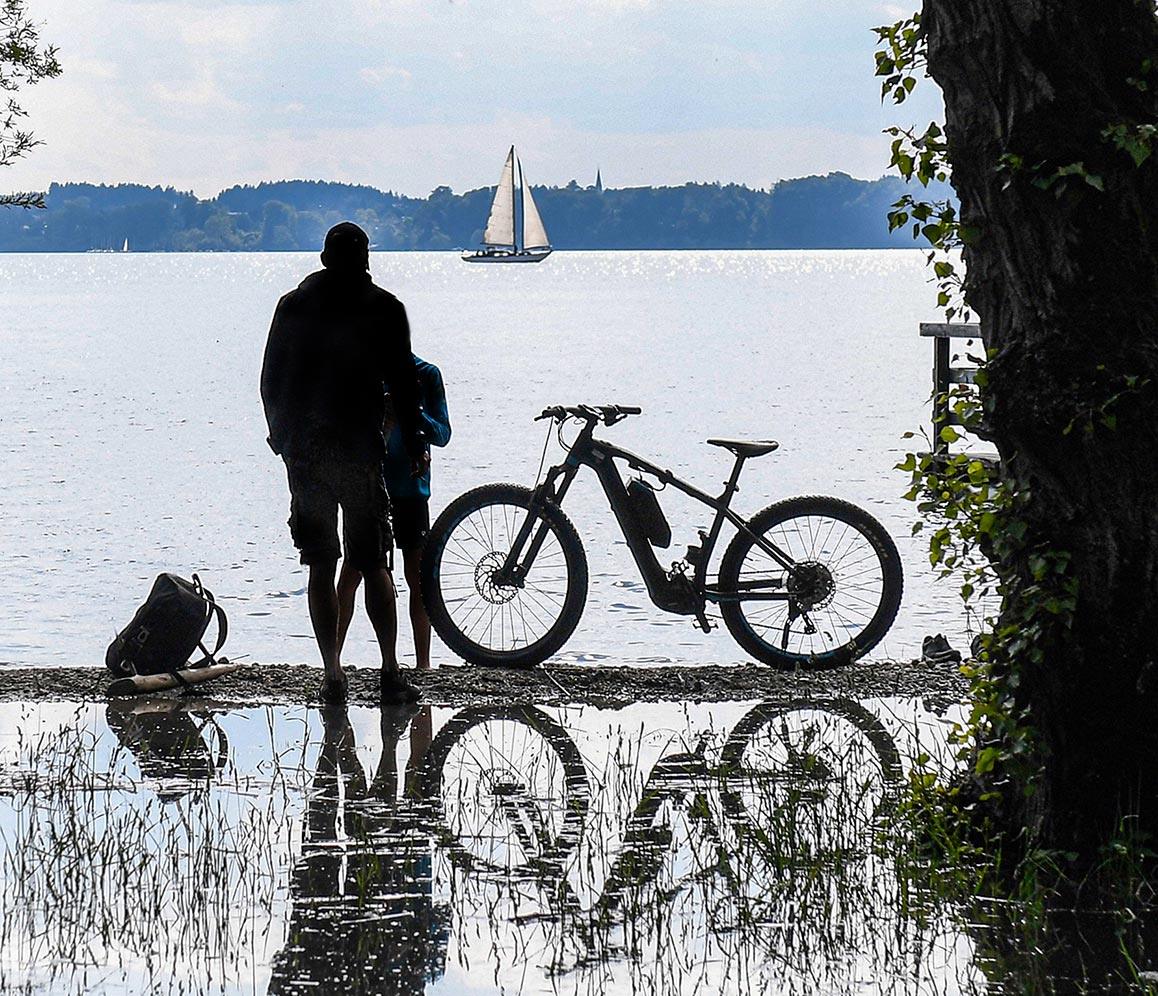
(168, 846)
(133, 442)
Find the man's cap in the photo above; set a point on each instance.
(347, 247)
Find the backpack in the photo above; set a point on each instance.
(166, 630)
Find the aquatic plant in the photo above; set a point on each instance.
(110, 880)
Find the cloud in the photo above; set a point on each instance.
(386, 74)
(417, 158)
(225, 30)
(204, 94)
(894, 12)
(101, 69)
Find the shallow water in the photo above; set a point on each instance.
(166, 846)
(132, 437)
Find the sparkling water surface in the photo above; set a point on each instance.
(132, 438)
(672, 849)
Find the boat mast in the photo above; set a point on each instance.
(516, 202)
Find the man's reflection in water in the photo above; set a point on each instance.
(363, 916)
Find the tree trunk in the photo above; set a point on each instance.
(1064, 279)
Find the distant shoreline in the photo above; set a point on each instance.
(817, 212)
(451, 252)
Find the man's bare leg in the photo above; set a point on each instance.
(381, 607)
(348, 581)
(323, 600)
(419, 621)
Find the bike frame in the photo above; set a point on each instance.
(672, 591)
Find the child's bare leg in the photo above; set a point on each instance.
(419, 621)
(348, 582)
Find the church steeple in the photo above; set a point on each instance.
(598, 180)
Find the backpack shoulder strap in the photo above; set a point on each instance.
(212, 609)
(222, 632)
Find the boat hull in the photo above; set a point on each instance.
(526, 256)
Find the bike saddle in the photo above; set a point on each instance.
(746, 447)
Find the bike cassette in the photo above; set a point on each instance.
(811, 585)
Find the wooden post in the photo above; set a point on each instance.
(944, 375)
(940, 393)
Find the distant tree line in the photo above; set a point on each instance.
(833, 211)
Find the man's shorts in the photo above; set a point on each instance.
(317, 489)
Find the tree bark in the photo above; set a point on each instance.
(1064, 279)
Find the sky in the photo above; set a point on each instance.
(407, 95)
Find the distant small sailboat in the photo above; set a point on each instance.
(125, 247)
(514, 232)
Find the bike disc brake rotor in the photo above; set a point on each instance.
(484, 580)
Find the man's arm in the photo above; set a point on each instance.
(435, 417)
(402, 381)
(273, 378)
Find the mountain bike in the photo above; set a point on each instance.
(808, 582)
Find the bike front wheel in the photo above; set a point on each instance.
(484, 617)
(834, 601)
(510, 788)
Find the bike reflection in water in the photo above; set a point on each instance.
(746, 862)
(757, 846)
(363, 918)
(749, 842)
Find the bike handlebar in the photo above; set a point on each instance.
(607, 414)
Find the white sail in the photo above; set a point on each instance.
(500, 230)
(534, 234)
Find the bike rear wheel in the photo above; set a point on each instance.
(845, 585)
(479, 616)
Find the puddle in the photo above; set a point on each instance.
(168, 846)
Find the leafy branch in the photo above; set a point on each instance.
(921, 156)
(24, 61)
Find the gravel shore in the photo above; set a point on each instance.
(546, 685)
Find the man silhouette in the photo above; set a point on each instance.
(337, 342)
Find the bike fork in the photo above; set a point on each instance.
(517, 565)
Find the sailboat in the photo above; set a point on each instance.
(514, 232)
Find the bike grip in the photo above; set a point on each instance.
(630, 409)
